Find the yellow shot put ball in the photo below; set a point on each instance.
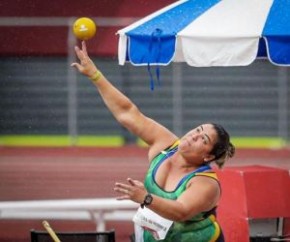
(84, 28)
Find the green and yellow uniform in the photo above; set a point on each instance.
(202, 227)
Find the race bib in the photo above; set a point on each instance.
(151, 221)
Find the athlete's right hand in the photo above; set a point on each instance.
(86, 65)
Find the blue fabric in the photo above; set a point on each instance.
(201, 169)
(277, 32)
(154, 41)
(262, 52)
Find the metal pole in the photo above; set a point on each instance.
(282, 103)
(177, 99)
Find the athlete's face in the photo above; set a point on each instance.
(198, 142)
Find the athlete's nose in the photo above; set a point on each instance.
(195, 136)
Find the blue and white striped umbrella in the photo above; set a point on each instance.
(210, 33)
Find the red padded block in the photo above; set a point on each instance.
(233, 197)
(235, 228)
(286, 228)
(251, 192)
(232, 210)
(266, 191)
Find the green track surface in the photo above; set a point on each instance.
(118, 141)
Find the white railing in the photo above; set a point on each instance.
(98, 210)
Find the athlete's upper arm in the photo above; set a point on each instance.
(151, 132)
(201, 195)
(157, 136)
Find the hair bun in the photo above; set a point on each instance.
(231, 150)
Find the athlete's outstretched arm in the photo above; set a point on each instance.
(124, 110)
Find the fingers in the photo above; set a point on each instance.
(134, 190)
(83, 56)
(126, 190)
(122, 198)
(84, 47)
(122, 186)
(86, 66)
(125, 194)
(131, 181)
(122, 190)
(135, 182)
(80, 53)
(76, 65)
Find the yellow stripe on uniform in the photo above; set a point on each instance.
(176, 143)
(209, 174)
(217, 229)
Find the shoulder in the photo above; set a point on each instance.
(206, 182)
(209, 174)
(158, 148)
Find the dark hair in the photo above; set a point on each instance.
(223, 149)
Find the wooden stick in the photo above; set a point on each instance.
(50, 231)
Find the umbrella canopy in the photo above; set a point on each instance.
(210, 33)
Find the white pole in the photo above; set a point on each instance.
(72, 87)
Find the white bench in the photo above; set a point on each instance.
(98, 210)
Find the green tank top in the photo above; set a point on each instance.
(202, 227)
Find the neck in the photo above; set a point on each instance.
(182, 162)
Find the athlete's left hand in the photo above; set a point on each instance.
(133, 190)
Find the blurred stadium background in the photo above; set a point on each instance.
(58, 141)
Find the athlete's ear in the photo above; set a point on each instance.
(208, 158)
